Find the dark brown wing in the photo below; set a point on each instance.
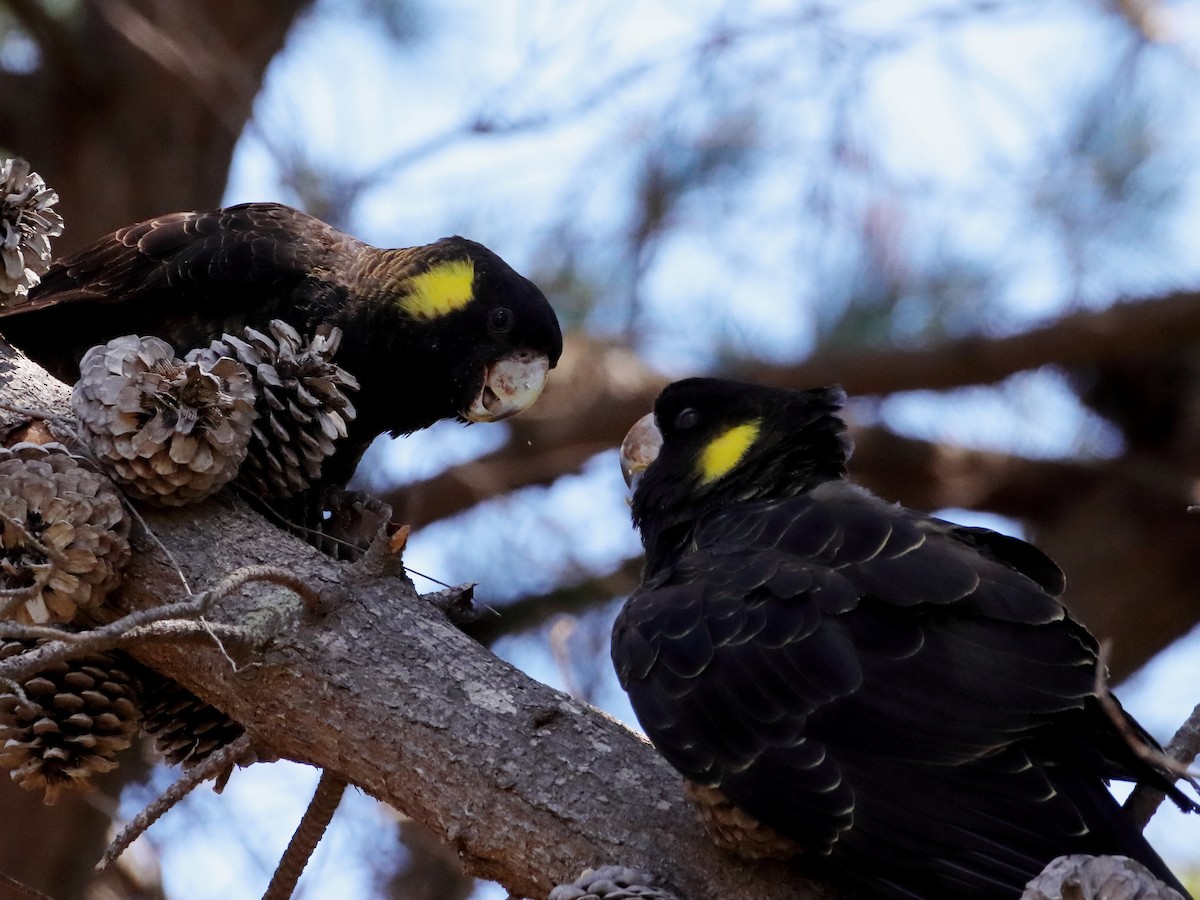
(881, 687)
(185, 277)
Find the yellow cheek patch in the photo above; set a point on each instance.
(443, 289)
(726, 450)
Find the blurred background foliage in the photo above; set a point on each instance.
(979, 216)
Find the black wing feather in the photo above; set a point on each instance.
(185, 276)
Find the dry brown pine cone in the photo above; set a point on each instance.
(26, 225)
(169, 431)
(63, 535)
(78, 715)
(302, 403)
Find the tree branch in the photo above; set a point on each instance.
(1126, 330)
(599, 390)
(526, 784)
(535, 610)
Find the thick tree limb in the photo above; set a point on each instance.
(528, 785)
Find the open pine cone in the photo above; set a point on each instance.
(26, 225)
(77, 716)
(302, 403)
(169, 431)
(63, 534)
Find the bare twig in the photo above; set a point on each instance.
(11, 598)
(533, 611)
(167, 629)
(274, 574)
(30, 413)
(128, 629)
(1148, 798)
(1183, 748)
(23, 889)
(64, 645)
(308, 834)
(239, 750)
(1120, 720)
(192, 630)
(154, 538)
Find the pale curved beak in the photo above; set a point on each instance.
(510, 384)
(640, 448)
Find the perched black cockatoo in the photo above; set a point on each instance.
(902, 699)
(439, 331)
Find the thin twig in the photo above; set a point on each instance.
(220, 645)
(167, 629)
(308, 834)
(273, 574)
(84, 449)
(23, 889)
(190, 779)
(177, 630)
(157, 541)
(1145, 752)
(15, 597)
(1144, 801)
(44, 415)
(1148, 798)
(63, 645)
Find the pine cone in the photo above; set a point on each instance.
(170, 432)
(1106, 877)
(26, 225)
(63, 534)
(612, 883)
(736, 831)
(302, 404)
(186, 730)
(78, 715)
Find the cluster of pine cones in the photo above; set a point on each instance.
(78, 715)
(262, 408)
(63, 546)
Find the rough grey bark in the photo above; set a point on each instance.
(526, 784)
